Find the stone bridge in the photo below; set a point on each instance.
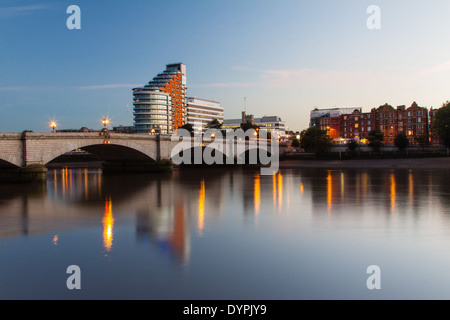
(29, 152)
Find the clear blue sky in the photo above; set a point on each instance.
(285, 57)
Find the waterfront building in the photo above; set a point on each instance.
(152, 110)
(201, 111)
(331, 120)
(413, 122)
(161, 104)
(433, 136)
(386, 118)
(356, 126)
(342, 125)
(268, 123)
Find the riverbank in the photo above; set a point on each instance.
(413, 163)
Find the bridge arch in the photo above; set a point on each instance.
(9, 161)
(107, 152)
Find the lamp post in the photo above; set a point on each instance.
(53, 126)
(105, 131)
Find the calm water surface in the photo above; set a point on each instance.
(227, 234)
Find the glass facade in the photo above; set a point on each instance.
(162, 102)
(152, 110)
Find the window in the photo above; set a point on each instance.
(356, 125)
(369, 129)
(368, 123)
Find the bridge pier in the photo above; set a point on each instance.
(33, 173)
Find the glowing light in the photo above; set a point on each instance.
(329, 191)
(201, 206)
(108, 224)
(393, 192)
(411, 186)
(257, 193)
(55, 240)
(105, 122)
(280, 191)
(302, 188)
(53, 125)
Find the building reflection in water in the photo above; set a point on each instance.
(277, 188)
(201, 207)
(411, 187)
(170, 212)
(393, 192)
(108, 224)
(329, 191)
(257, 193)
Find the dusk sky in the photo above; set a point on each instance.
(284, 57)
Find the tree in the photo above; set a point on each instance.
(352, 145)
(422, 140)
(248, 125)
(442, 123)
(314, 140)
(187, 126)
(214, 124)
(295, 143)
(375, 138)
(401, 140)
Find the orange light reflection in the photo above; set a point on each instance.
(257, 193)
(108, 224)
(201, 207)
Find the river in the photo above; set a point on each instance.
(227, 234)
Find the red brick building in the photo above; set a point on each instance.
(414, 121)
(433, 137)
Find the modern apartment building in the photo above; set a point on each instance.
(200, 112)
(161, 104)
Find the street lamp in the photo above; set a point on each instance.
(53, 125)
(105, 122)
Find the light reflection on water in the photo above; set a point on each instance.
(227, 234)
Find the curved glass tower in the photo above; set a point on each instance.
(152, 110)
(161, 104)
